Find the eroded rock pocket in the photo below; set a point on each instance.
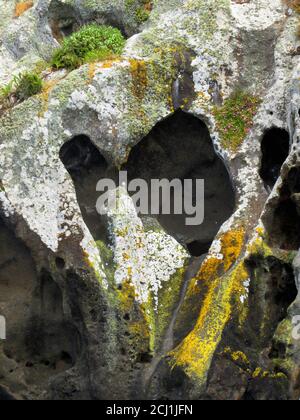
(40, 343)
(65, 19)
(275, 150)
(86, 166)
(180, 147)
(282, 216)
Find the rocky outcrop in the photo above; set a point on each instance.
(130, 307)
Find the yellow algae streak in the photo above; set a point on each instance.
(196, 351)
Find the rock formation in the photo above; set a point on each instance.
(133, 307)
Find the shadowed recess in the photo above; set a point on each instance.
(180, 147)
(282, 220)
(63, 19)
(86, 166)
(275, 150)
(39, 342)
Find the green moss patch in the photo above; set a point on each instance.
(20, 88)
(90, 43)
(235, 119)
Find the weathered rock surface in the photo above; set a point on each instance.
(115, 307)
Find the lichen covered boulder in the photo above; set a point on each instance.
(124, 306)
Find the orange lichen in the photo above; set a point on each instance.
(91, 72)
(47, 88)
(94, 66)
(138, 70)
(22, 7)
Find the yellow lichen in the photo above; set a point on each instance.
(91, 72)
(232, 243)
(138, 70)
(44, 95)
(213, 267)
(237, 356)
(138, 329)
(22, 7)
(260, 373)
(259, 246)
(126, 297)
(195, 353)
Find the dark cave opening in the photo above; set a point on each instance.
(198, 248)
(283, 221)
(60, 263)
(272, 292)
(38, 337)
(54, 341)
(86, 167)
(275, 150)
(63, 19)
(180, 147)
(18, 279)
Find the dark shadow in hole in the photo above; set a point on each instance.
(63, 19)
(60, 263)
(275, 150)
(198, 248)
(283, 221)
(5, 395)
(37, 332)
(181, 147)
(86, 166)
(272, 291)
(145, 357)
(18, 280)
(55, 341)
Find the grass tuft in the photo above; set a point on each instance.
(20, 88)
(91, 43)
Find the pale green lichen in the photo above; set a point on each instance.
(141, 9)
(107, 257)
(160, 316)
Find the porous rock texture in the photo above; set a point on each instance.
(116, 307)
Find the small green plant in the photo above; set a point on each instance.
(90, 43)
(235, 118)
(6, 90)
(22, 87)
(27, 85)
